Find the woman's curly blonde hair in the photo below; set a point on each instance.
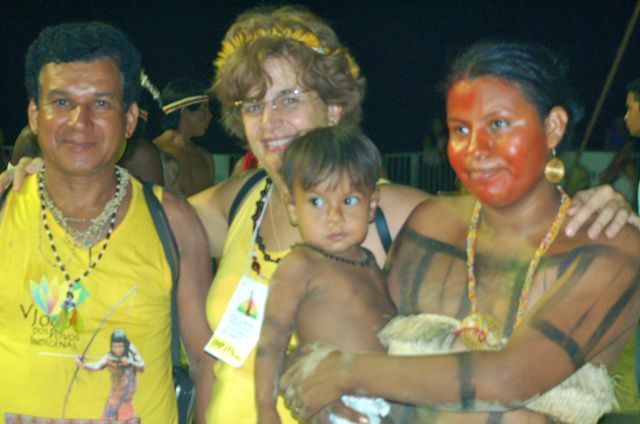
(294, 33)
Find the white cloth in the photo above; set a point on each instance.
(373, 408)
(582, 398)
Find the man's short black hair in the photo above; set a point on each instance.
(83, 42)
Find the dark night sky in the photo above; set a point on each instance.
(403, 48)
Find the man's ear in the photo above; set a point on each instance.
(291, 207)
(373, 204)
(555, 125)
(32, 115)
(131, 119)
(334, 113)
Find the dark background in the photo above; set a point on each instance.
(403, 48)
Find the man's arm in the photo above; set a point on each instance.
(195, 278)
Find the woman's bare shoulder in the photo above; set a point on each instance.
(213, 205)
(626, 242)
(398, 197)
(219, 196)
(442, 211)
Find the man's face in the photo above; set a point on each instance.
(197, 120)
(632, 117)
(80, 120)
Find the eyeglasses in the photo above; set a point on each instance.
(285, 101)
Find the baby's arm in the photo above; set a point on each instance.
(286, 292)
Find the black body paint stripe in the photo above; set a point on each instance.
(495, 418)
(565, 342)
(467, 390)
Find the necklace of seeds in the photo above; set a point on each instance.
(68, 315)
(93, 233)
(260, 204)
(479, 331)
(68, 239)
(366, 262)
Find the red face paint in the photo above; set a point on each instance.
(497, 143)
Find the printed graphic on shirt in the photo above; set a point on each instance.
(123, 361)
(60, 303)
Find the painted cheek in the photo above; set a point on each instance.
(456, 152)
(528, 154)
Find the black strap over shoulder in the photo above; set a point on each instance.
(4, 195)
(185, 390)
(383, 229)
(170, 246)
(380, 219)
(242, 193)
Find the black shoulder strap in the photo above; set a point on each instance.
(170, 246)
(383, 229)
(380, 219)
(242, 193)
(4, 195)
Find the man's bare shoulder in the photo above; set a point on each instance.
(178, 209)
(163, 140)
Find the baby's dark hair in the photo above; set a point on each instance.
(328, 153)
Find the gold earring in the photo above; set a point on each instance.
(554, 169)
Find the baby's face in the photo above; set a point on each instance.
(333, 215)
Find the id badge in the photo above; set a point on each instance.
(239, 329)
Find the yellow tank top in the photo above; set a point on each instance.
(232, 396)
(37, 364)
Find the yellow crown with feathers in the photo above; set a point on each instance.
(308, 39)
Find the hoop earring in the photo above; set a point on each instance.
(554, 169)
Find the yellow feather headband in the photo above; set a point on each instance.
(306, 38)
(187, 101)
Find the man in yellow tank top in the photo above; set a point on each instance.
(85, 282)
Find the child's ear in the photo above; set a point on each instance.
(291, 207)
(373, 204)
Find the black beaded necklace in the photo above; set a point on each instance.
(365, 263)
(68, 315)
(255, 265)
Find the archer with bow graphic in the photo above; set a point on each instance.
(124, 362)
